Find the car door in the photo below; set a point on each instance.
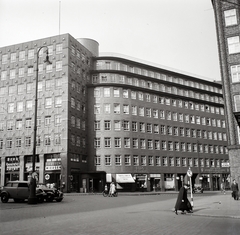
(11, 188)
(23, 191)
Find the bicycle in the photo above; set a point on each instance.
(106, 194)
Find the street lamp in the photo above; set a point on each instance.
(32, 196)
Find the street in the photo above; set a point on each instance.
(95, 214)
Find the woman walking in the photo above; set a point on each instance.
(182, 202)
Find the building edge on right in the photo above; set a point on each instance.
(227, 18)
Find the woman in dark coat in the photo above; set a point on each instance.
(182, 202)
(235, 190)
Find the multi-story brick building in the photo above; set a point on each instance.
(227, 17)
(104, 118)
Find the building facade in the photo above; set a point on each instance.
(107, 118)
(227, 17)
(154, 124)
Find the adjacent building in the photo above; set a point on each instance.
(108, 118)
(227, 17)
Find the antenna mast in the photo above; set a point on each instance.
(59, 16)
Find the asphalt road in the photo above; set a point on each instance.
(94, 214)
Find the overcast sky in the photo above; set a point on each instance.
(178, 34)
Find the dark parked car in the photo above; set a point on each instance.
(51, 193)
(19, 191)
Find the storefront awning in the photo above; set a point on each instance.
(124, 178)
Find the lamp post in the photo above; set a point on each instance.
(32, 196)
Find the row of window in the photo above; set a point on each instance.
(48, 121)
(159, 145)
(155, 113)
(114, 65)
(29, 54)
(159, 129)
(143, 160)
(28, 88)
(12, 73)
(28, 141)
(116, 78)
(106, 92)
(46, 140)
(19, 106)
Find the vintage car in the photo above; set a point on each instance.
(51, 193)
(19, 192)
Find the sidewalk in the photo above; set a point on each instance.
(209, 204)
(218, 205)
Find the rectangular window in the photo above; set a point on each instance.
(134, 126)
(12, 73)
(18, 142)
(97, 160)
(116, 108)
(143, 160)
(230, 17)
(117, 125)
(135, 160)
(126, 109)
(235, 73)
(106, 92)
(107, 125)
(127, 160)
(47, 121)
(21, 55)
(97, 142)
(29, 105)
(118, 160)
(9, 143)
(107, 142)
(134, 110)
(233, 45)
(116, 92)
(107, 159)
(237, 103)
(28, 123)
(142, 143)
(58, 65)
(19, 124)
(27, 141)
(156, 129)
(126, 142)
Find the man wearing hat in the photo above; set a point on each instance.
(182, 202)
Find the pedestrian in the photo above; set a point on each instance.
(182, 202)
(223, 186)
(235, 190)
(112, 189)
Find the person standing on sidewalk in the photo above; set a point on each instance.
(235, 190)
(223, 186)
(182, 202)
(112, 189)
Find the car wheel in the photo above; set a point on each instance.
(59, 200)
(40, 199)
(4, 198)
(49, 198)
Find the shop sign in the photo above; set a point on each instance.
(225, 164)
(12, 164)
(53, 164)
(155, 175)
(216, 170)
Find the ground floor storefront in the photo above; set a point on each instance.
(71, 177)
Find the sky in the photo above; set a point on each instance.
(177, 34)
